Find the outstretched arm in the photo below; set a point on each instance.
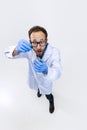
(22, 47)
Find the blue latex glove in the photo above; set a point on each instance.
(23, 46)
(40, 66)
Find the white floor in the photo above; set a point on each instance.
(66, 23)
(21, 109)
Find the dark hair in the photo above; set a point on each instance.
(37, 29)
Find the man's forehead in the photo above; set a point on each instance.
(37, 35)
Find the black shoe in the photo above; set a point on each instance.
(51, 107)
(51, 102)
(38, 94)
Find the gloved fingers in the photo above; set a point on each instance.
(37, 69)
(26, 46)
(24, 43)
(37, 63)
(22, 49)
(37, 66)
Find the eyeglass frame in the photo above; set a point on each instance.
(40, 43)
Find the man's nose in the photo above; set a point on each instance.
(38, 45)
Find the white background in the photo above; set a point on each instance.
(66, 23)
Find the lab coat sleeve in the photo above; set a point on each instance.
(8, 53)
(55, 69)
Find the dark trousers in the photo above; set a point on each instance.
(50, 98)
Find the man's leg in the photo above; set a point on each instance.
(51, 102)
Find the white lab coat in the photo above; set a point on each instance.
(38, 80)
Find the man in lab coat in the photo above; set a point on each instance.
(44, 62)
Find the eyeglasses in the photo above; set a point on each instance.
(41, 43)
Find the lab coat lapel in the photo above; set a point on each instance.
(47, 53)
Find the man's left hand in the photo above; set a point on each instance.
(40, 66)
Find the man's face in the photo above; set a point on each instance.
(38, 41)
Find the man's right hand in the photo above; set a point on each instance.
(23, 46)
